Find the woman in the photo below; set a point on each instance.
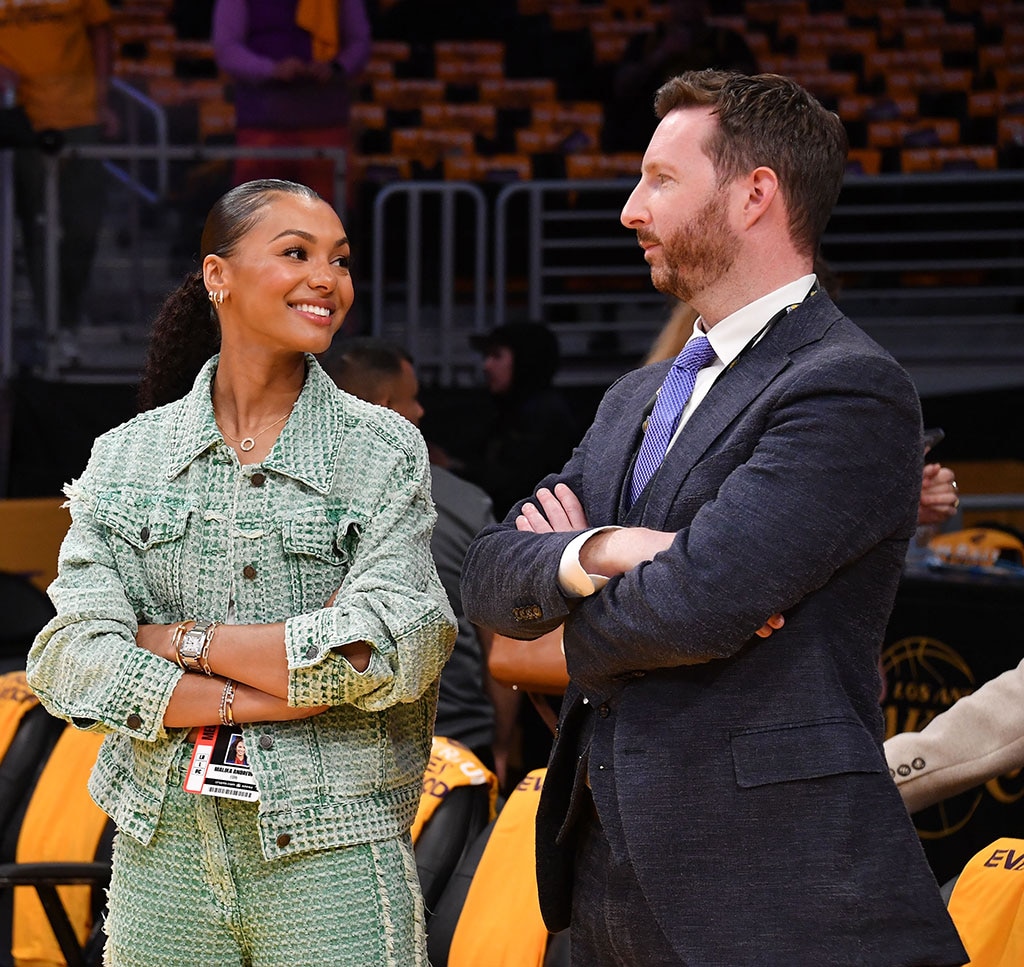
(255, 554)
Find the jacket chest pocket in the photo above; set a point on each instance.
(147, 541)
(319, 553)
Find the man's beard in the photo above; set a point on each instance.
(698, 253)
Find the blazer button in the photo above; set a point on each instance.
(918, 763)
(266, 742)
(134, 721)
(283, 840)
(249, 572)
(258, 479)
(903, 769)
(312, 652)
(603, 711)
(144, 534)
(530, 612)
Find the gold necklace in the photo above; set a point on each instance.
(248, 442)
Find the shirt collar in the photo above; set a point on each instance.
(731, 336)
(306, 447)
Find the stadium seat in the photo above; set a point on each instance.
(55, 846)
(489, 912)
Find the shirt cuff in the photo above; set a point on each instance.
(573, 580)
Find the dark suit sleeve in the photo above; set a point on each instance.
(833, 472)
(510, 578)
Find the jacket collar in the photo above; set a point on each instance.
(306, 448)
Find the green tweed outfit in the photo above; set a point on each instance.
(168, 525)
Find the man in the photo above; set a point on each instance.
(57, 56)
(714, 797)
(471, 707)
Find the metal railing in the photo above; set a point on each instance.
(931, 265)
(436, 336)
(58, 343)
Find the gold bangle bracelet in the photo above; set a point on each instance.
(227, 699)
(179, 633)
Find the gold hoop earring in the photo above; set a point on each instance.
(217, 298)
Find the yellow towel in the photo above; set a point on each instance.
(451, 765)
(987, 905)
(320, 18)
(501, 924)
(62, 823)
(16, 699)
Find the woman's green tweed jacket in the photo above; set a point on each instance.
(167, 526)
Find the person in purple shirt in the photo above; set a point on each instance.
(292, 63)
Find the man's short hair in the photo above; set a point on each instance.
(361, 365)
(769, 120)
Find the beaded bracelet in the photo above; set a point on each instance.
(227, 698)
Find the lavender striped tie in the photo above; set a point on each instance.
(672, 397)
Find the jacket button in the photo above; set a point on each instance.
(258, 479)
(134, 721)
(144, 534)
(918, 763)
(249, 572)
(283, 840)
(312, 652)
(266, 742)
(603, 711)
(903, 769)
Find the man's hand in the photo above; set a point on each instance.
(559, 511)
(939, 500)
(775, 622)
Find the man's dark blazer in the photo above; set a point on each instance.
(743, 778)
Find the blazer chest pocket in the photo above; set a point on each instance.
(147, 541)
(806, 750)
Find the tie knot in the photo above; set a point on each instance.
(696, 354)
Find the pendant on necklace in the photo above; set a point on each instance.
(247, 444)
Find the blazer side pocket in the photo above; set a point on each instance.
(802, 750)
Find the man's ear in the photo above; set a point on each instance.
(761, 187)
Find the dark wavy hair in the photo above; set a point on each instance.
(186, 332)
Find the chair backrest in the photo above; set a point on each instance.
(489, 913)
(459, 798)
(25, 609)
(27, 734)
(48, 818)
(987, 904)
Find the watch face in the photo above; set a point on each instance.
(192, 644)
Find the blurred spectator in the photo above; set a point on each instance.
(293, 63)
(979, 737)
(683, 41)
(471, 708)
(56, 58)
(532, 428)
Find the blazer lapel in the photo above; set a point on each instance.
(613, 451)
(732, 393)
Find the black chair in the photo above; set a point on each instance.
(444, 838)
(450, 906)
(34, 749)
(26, 610)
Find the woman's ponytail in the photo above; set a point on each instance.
(185, 335)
